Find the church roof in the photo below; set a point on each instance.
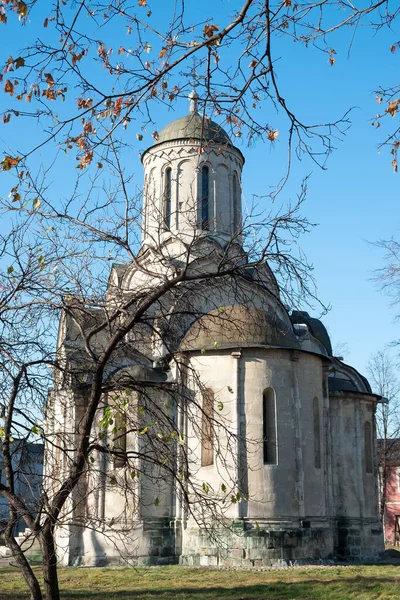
(316, 327)
(194, 127)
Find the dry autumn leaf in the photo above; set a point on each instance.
(9, 88)
(22, 9)
(209, 30)
(272, 135)
(9, 162)
(142, 3)
(155, 135)
(393, 107)
(85, 103)
(49, 79)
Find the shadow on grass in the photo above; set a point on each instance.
(367, 588)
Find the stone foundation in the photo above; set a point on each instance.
(145, 543)
(358, 539)
(250, 544)
(244, 543)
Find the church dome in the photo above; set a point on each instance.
(194, 127)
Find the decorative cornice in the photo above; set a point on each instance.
(210, 148)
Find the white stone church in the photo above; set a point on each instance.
(273, 430)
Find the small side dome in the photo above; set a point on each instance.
(316, 327)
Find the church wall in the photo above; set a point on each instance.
(268, 526)
(352, 484)
(310, 374)
(289, 488)
(354, 491)
(217, 374)
(272, 487)
(292, 487)
(128, 519)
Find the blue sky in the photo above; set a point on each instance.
(354, 201)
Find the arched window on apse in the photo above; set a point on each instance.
(368, 447)
(207, 430)
(119, 434)
(269, 428)
(236, 203)
(317, 434)
(205, 197)
(167, 197)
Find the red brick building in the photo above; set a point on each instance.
(389, 475)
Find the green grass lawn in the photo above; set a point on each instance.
(177, 583)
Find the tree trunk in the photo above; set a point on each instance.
(24, 566)
(49, 566)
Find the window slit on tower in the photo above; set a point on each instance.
(269, 427)
(167, 198)
(119, 434)
(317, 434)
(368, 447)
(207, 430)
(236, 204)
(205, 197)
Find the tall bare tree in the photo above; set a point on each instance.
(384, 381)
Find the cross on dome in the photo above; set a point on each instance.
(194, 105)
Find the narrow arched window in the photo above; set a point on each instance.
(167, 197)
(207, 430)
(269, 428)
(317, 434)
(119, 438)
(236, 203)
(205, 196)
(368, 447)
(145, 203)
